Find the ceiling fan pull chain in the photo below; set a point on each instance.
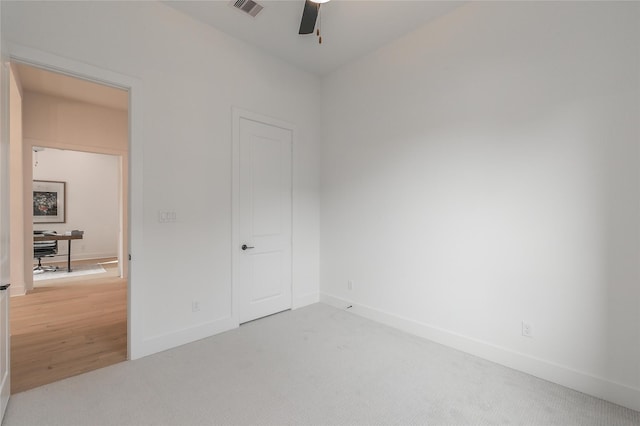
(319, 25)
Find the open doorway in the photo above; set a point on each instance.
(73, 148)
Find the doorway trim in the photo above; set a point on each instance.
(237, 114)
(61, 65)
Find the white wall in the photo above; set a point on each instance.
(92, 199)
(189, 77)
(485, 170)
(56, 121)
(18, 249)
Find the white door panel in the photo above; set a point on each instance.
(264, 219)
(5, 349)
(266, 186)
(267, 269)
(5, 362)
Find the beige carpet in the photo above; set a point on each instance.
(314, 366)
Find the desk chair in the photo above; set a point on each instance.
(44, 249)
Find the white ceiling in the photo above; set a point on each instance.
(350, 28)
(50, 83)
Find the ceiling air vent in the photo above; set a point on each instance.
(248, 6)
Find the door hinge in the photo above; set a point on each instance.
(129, 257)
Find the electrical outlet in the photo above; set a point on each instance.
(350, 285)
(527, 329)
(195, 306)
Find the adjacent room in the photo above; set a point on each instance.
(68, 294)
(340, 212)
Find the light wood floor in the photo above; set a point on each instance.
(68, 328)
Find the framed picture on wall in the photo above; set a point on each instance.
(49, 201)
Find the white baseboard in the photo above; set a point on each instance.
(617, 393)
(93, 256)
(62, 257)
(305, 300)
(167, 341)
(17, 290)
(152, 345)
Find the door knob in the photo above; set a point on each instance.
(246, 247)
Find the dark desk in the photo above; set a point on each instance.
(60, 238)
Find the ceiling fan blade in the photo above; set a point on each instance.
(309, 16)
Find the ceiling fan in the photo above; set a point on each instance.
(310, 16)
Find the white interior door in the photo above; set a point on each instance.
(5, 383)
(5, 347)
(264, 252)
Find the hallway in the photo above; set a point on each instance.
(68, 327)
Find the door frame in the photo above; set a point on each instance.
(61, 65)
(5, 250)
(237, 115)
